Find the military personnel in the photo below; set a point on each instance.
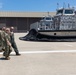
(3, 37)
(8, 47)
(4, 29)
(1, 41)
(13, 43)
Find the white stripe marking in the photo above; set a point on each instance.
(68, 45)
(55, 51)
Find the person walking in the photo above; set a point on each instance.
(1, 41)
(5, 44)
(8, 47)
(13, 43)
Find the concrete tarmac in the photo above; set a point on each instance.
(40, 58)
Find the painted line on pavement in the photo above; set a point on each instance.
(54, 51)
(68, 45)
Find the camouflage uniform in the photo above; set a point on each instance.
(1, 41)
(8, 48)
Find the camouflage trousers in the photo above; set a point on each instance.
(7, 51)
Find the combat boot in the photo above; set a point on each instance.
(18, 54)
(7, 58)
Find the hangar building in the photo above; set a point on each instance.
(21, 20)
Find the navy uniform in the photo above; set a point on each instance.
(13, 43)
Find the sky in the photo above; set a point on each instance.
(34, 5)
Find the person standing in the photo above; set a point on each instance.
(13, 43)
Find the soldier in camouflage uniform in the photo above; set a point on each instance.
(1, 41)
(5, 44)
(8, 47)
(3, 33)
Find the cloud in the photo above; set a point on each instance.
(1, 5)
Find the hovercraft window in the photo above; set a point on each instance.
(68, 11)
(60, 12)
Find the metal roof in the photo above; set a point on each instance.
(25, 14)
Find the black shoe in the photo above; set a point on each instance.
(18, 54)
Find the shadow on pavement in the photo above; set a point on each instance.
(2, 58)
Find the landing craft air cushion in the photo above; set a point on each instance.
(61, 27)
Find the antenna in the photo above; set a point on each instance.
(57, 5)
(68, 5)
(64, 5)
